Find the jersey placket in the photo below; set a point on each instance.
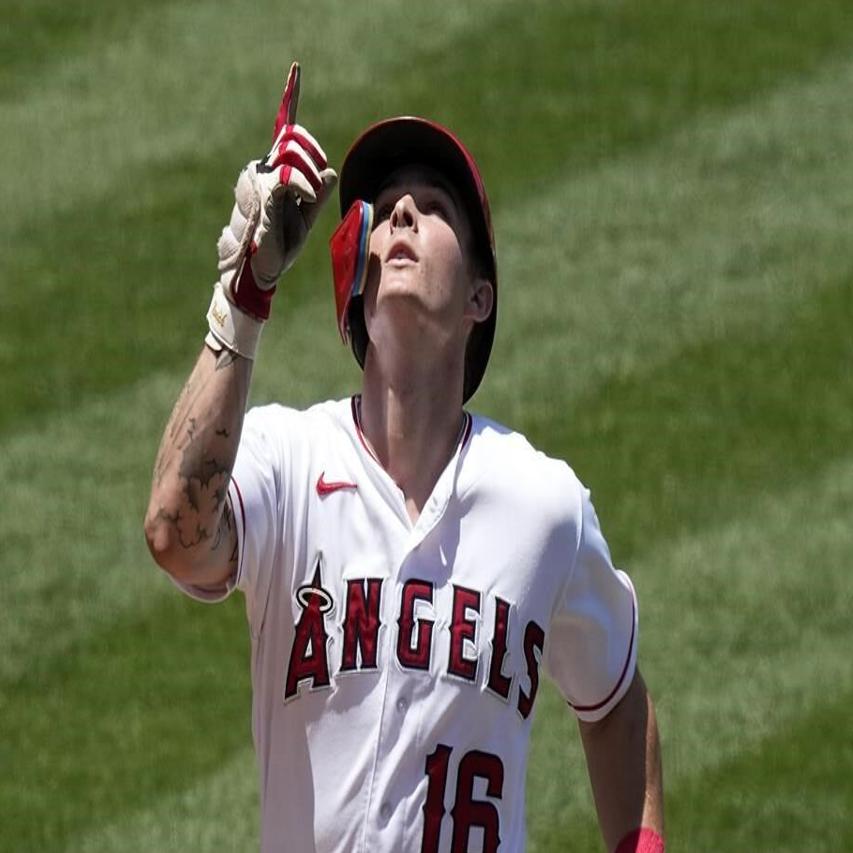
(436, 503)
(387, 814)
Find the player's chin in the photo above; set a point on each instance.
(403, 274)
(402, 313)
(399, 285)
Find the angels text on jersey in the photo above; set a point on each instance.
(356, 625)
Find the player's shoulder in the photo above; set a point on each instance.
(514, 449)
(275, 424)
(506, 458)
(272, 416)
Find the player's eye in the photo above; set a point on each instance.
(437, 206)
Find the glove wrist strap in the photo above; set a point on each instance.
(247, 295)
(230, 327)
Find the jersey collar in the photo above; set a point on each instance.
(438, 500)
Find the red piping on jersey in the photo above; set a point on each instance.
(240, 499)
(240, 539)
(354, 400)
(468, 429)
(624, 669)
(243, 518)
(357, 422)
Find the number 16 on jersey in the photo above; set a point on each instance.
(467, 812)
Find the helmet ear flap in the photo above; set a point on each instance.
(349, 248)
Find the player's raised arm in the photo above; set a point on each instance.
(188, 526)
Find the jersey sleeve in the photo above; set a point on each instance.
(591, 652)
(253, 494)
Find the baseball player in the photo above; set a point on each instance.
(410, 570)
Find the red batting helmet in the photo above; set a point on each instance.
(382, 149)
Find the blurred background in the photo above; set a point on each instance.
(672, 185)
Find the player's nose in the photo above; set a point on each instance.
(405, 213)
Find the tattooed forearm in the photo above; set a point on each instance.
(189, 509)
(185, 406)
(226, 525)
(188, 537)
(203, 471)
(224, 534)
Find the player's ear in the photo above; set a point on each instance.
(481, 298)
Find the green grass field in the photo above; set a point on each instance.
(672, 185)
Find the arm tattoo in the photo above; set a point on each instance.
(198, 453)
(204, 481)
(225, 530)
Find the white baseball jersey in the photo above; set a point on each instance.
(395, 665)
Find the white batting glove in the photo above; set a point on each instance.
(277, 200)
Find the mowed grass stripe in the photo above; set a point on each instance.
(219, 812)
(791, 792)
(39, 35)
(139, 182)
(759, 616)
(714, 231)
(700, 437)
(135, 711)
(747, 623)
(73, 547)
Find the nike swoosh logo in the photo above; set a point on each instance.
(325, 487)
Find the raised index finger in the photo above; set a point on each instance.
(289, 101)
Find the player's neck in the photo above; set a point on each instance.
(413, 426)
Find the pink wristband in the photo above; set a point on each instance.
(642, 840)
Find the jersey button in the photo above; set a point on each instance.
(385, 811)
(402, 704)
